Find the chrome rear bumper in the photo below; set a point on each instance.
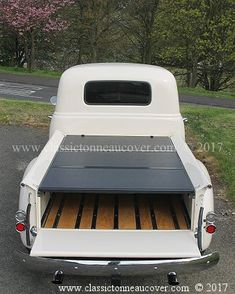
(117, 267)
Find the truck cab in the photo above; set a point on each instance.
(116, 190)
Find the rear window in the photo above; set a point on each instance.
(117, 93)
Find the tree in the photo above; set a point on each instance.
(139, 24)
(181, 30)
(10, 51)
(198, 35)
(94, 29)
(29, 19)
(216, 68)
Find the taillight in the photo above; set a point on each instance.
(210, 222)
(20, 227)
(210, 229)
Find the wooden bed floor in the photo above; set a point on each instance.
(123, 212)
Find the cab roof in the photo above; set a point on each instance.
(162, 82)
(118, 71)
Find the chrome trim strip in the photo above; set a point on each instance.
(199, 228)
(27, 224)
(117, 267)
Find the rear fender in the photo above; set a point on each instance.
(208, 205)
(27, 195)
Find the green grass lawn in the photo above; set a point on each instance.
(201, 92)
(24, 71)
(213, 133)
(18, 112)
(210, 132)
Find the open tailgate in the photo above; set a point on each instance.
(115, 244)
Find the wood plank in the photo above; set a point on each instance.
(53, 212)
(105, 215)
(69, 213)
(126, 213)
(145, 215)
(179, 211)
(163, 214)
(87, 213)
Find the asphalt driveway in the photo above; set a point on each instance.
(15, 279)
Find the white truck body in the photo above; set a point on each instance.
(123, 251)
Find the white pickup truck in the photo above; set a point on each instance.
(116, 190)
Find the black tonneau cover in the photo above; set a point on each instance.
(116, 164)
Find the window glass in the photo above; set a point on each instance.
(117, 93)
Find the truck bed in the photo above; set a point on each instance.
(116, 212)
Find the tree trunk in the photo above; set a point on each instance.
(33, 49)
(80, 54)
(147, 54)
(93, 52)
(193, 76)
(31, 64)
(148, 22)
(93, 42)
(19, 54)
(26, 50)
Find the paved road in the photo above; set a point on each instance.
(25, 91)
(41, 89)
(15, 279)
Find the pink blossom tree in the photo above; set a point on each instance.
(31, 18)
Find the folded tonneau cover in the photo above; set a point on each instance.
(111, 164)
